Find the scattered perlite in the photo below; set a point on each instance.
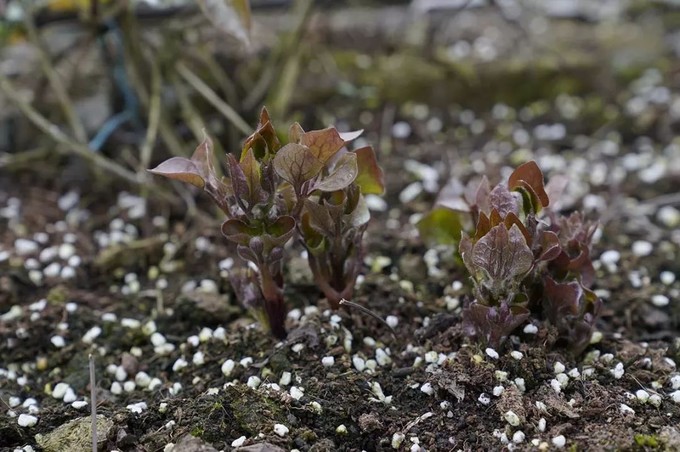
(238, 442)
(427, 389)
(27, 420)
(559, 441)
(327, 361)
(281, 430)
(228, 367)
(491, 353)
(512, 418)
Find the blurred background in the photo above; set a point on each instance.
(95, 91)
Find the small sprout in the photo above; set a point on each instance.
(312, 187)
(525, 262)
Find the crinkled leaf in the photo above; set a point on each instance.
(529, 175)
(441, 226)
(324, 143)
(239, 182)
(493, 324)
(297, 164)
(503, 201)
(239, 232)
(370, 177)
(181, 169)
(502, 255)
(511, 219)
(343, 174)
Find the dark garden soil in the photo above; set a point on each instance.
(142, 285)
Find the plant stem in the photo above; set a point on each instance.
(274, 304)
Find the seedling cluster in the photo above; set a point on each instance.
(524, 260)
(311, 187)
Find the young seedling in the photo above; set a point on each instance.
(312, 187)
(520, 264)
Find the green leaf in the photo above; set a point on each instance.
(297, 164)
(324, 143)
(314, 241)
(343, 174)
(181, 169)
(441, 226)
(252, 173)
(370, 178)
(277, 233)
(529, 178)
(239, 232)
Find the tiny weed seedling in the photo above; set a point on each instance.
(521, 264)
(312, 187)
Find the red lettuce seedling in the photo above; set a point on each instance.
(521, 265)
(312, 186)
